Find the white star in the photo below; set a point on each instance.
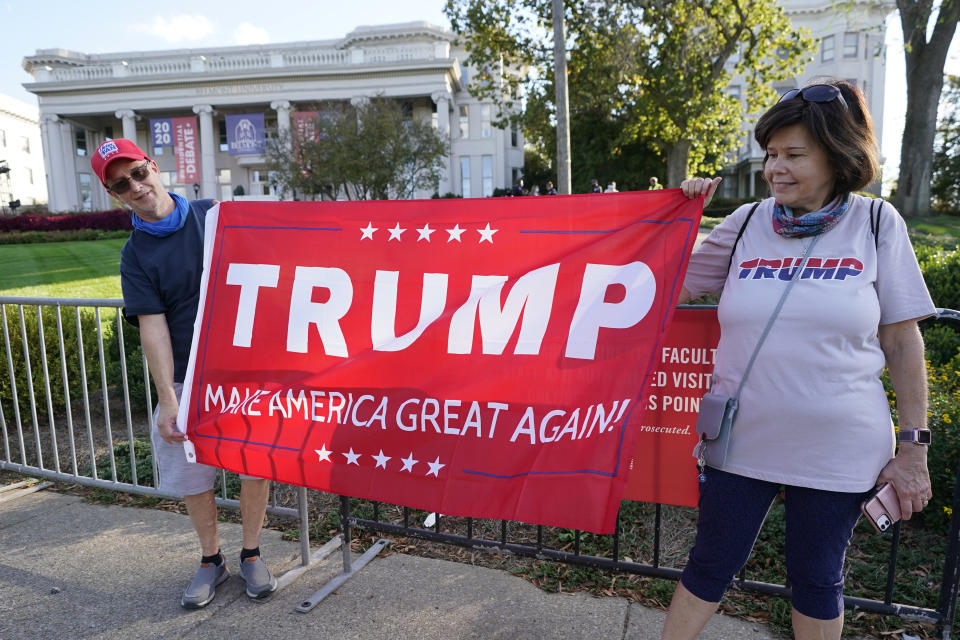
(435, 467)
(367, 231)
(351, 457)
(381, 460)
(455, 233)
(487, 233)
(324, 454)
(408, 463)
(395, 233)
(425, 232)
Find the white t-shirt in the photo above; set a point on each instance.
(813, 412)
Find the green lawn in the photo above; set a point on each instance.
(89, 269)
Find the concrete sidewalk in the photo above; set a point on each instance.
(72, 570)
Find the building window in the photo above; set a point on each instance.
(3, 138)
(487, 174)
(223, 136)
(80, 141)
(25, 144)
(734, 91)
(465, 176)
(168, 178)
(86, 193)
(851, 42)
(514, 135)
(108, 132)
(29, 176)
(464, 121)
(223, 176)
(826, 48)
(485, 129)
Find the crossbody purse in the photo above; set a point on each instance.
(717, 411)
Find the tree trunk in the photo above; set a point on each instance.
(924, 63)
(677, 158)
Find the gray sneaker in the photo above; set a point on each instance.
(260, 582)
(203, 587)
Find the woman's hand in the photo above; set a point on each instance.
(907, 472)
(696, 187)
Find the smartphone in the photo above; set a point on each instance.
(881, 507)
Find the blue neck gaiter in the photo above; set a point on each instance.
(170, 224)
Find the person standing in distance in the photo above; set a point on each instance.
(160, 269)
(654, 184)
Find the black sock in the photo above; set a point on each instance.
(216, 559)
(249, 553)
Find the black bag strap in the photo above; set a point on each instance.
(743, 228)
(875, 223)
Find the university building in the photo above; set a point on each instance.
(198, 111)
(211, 104)
(850, 46)
(22, 179)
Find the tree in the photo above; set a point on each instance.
(945, 187)
(368, 151)
(925, 60)
(649, 74)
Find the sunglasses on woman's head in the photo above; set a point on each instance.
(816, 93)
(139, 173)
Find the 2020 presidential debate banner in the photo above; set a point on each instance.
(480, 358)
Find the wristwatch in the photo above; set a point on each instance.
(916, 436)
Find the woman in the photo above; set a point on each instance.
(813, 417)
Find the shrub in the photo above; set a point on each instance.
(143, 457)
(70, 359)
(115, 220)
(32, 237)
(943, 421)
(941, 272)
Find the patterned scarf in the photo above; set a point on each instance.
(809, 224)
(173, 222)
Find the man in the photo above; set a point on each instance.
(654, 184)
(160, 269)
(595, 186)
(518, 189)
(550, 190)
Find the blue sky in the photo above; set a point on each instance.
(96, 26)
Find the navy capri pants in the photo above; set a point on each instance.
(819, 526)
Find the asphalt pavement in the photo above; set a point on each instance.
(75, 570)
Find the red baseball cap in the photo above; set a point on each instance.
(116, 149)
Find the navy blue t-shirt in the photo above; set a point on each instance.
(162, 275)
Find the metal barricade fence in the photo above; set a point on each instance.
(91, 361)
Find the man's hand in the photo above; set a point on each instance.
(167, 423)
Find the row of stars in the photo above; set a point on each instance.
(424, 232)
(381, 460)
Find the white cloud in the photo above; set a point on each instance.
(175, 29)
(247, 33)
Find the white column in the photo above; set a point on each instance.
(70, 186)
(129, 118)
(443, 100)
(208, 169)
(53, 162)
(282, 107)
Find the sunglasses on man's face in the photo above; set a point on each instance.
(139, 173)
(816, 93)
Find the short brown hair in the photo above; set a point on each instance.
(845, 133)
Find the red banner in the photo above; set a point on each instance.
(477, 358)
(663, 469)
(305, 125)
(186, 149)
